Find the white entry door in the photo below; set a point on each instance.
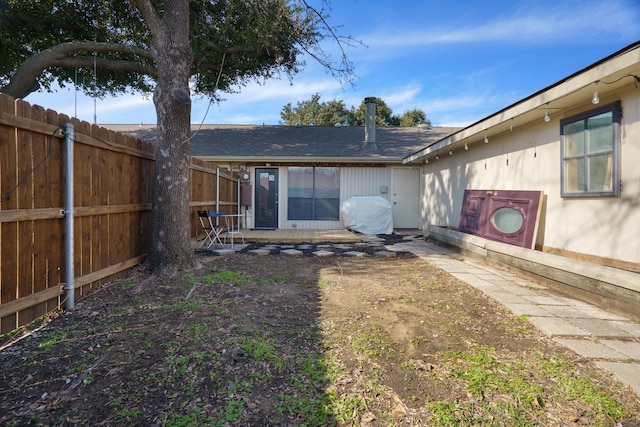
(406, 197)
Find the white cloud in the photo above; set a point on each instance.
(108, 110)
(452, 104)
(275, 90)
(401, 96)
(576, 22)
(124, 102)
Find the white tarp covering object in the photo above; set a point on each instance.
(367, 214)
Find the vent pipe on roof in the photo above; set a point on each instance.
(370, 124)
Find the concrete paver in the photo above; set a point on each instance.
(547, 300)
(260, 252)
(556, 326)
(292, 252)
(516, 288)
(596, 312)
(355, 254)
(600, 328)
(591, 349)
(563, 311)
(625, 372)
(323, 253)
(223, 251)
(385, 254)
(527, 309)
(631, 349)
(632, 327)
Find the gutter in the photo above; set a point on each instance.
(262, 159)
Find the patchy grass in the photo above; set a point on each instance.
(300, 341)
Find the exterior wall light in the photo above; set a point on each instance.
(546, 113)
(596, 95)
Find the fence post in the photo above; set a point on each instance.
(217, 188)
(69, 256)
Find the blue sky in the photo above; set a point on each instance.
(458, 61)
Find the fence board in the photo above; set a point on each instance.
(102, 194)
(24, 196)
(53, 197)
(8, 231)
(131, 195)
(82, 197)
(40, 145)
(113, 182)
(96, 220)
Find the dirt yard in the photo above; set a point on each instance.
(300, 341)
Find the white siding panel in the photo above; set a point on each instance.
(364, 182)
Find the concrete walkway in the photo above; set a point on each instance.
(609, 340)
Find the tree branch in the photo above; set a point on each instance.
(345, 70)
(150, 16)
(25, 78)
(105, 64)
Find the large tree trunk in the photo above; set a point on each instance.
(171, 249)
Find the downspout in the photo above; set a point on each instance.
(241, 211)
(69, 220)
(238, 187)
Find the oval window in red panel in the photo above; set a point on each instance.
(508, 220)
(508, 216)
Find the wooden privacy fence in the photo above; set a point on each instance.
(113, 176)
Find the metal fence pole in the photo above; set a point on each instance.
(69, 219)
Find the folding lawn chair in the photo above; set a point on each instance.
(233, 227)
(209, 222)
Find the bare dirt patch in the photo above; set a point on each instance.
(277, 340)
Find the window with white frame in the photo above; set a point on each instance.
(313, 193)
(590, 152)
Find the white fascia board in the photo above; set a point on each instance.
(255, 159)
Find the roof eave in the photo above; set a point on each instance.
(293, 159)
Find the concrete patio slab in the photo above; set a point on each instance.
(599, 328)
(631, 349)
(527, 310)
(591, 349)
(625, 372)
(554, 326)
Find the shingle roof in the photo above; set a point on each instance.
(237, 142)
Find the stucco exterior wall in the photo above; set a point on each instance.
(528, 158)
